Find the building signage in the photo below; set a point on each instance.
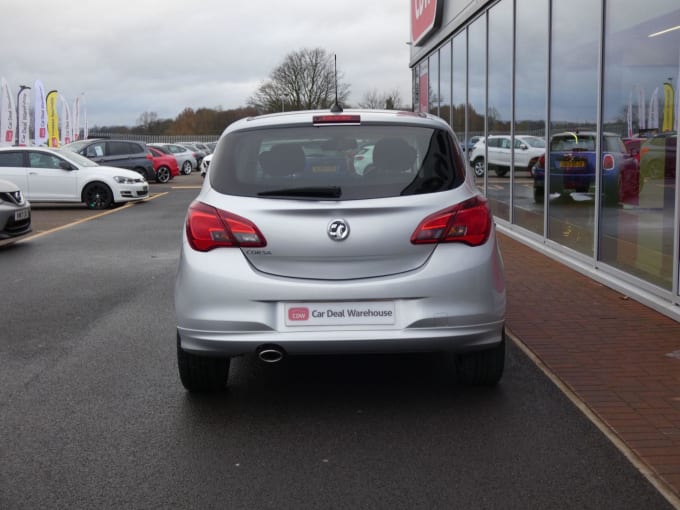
(425, 18)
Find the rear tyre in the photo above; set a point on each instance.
(539, 195)
(186, 167)
(481, 368)
(97, 195)
(163, 175)
(202, 373)
(478, 166)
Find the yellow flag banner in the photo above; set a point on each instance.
(52, 119)
(668, 106)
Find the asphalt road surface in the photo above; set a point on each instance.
(93, 416)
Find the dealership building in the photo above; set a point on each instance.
(595, 84)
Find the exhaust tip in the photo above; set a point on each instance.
(270, 353)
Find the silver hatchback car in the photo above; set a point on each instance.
(289, 250)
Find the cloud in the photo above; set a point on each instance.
(129, 57)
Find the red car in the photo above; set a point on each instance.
(165, 165)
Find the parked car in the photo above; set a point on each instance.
(205, 164)
(527, 151)
(15, 213)
(119, 153)
(165, 165)
(199, 154)
(185, 157)
(56, 175)
(470, 144)
(573, 164)
(363, 158)
(287, 251)
(657, 156)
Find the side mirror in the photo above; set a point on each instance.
(65, 166)
(523, 146)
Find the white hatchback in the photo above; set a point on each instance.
(289, 250)
(50, 175)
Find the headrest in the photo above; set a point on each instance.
(283, 160)
(393, 154)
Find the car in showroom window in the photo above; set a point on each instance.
(320, 258)
(53, 175)
(527, 151)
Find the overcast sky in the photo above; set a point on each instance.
(130, 57)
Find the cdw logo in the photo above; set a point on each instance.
(299, 313)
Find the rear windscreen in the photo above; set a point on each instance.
(336, 162)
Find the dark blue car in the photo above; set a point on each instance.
(572, 167)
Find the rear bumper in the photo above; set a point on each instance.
(455, 302)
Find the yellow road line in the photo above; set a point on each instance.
(83, 220)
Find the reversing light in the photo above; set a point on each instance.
(318, 120)
(468, 222)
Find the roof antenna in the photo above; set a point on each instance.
(336, 108)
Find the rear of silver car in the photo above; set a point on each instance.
(289, 250)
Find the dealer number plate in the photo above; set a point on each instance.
(368, 313)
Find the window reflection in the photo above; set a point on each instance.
(573, 112)
(531, 75)
(499, 112)
(641, 75)
(445, 84)
(433, 84)
(477, 82)
(458, 88)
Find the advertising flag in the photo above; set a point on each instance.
(653, 118)
(66, 122)
(23, 115)
(52, 119)
(40, 114)
(84, 110)
(668, 107)
(76, 119)
(8, 119)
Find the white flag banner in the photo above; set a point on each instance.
(653, 117)
(66, 122)
(76, 119)
(84, 110)
(23, 116)
(8, 120)
(40, 114)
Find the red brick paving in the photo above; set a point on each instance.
(610, 351)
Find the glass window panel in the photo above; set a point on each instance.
(459, 89)
(500, 107)
(445, 83)
(531, 77)
(639, 179)
(573, 114)
(477, 81)
(433, 87)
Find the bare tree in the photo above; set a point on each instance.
(305, 80)
(146, 119)
(387, 100)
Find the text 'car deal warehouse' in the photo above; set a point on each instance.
(597, 82)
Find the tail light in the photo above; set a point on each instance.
(608, 162)
(541, 162)
(208, 228)
(468, 222)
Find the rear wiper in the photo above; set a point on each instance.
(311, 192)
